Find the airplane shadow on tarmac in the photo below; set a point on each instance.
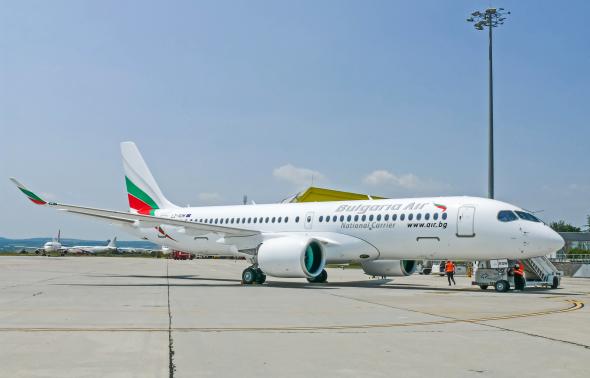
(367, 284)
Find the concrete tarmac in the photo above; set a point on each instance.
(133, 317)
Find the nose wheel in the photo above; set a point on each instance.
(320, 278)
(252, 275)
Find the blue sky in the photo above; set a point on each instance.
(227, 98)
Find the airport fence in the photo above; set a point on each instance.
(573, 258)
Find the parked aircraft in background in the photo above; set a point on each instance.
(49, 247)
(92, 249)
(298, 239)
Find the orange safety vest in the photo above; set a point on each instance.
(520, 270)
(450, 267)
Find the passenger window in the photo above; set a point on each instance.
(410, 216)
(444, 216)
(286, 219)
(260, 220)
(321, 218)
(427, 216)
(394, 217)
(273, 219)
(364, 218)
(244, 220)
(266, 220)
(254, 220)
(402, 217)
(334, 218)
(435, 216)
(349, 218)
(327, 218)
(378, 217)
(249, 220)
(296, 219)
(356, 218)
(418, 216)
(371, 217)
(216, 220)
(386, 217)
(506, 216)
(280, 219)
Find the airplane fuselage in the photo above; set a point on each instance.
(417, 228)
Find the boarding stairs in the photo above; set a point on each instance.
(539, 271)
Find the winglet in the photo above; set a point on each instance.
(32, 196)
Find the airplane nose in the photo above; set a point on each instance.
(555, 241)
(550, 241)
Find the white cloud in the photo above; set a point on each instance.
(297, 176)
(382, 177)
(209, 197)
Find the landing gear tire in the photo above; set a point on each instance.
(248, 276)
(502, 286)
(483, 287)
(260, 277)
(320, 278)
(555, 283)
(426, 271)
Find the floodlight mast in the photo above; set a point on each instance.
(490, 18)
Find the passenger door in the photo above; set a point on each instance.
(466, 222)
(308, 220)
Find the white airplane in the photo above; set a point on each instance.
(54, 245)
(298, 239)
(51, 246)
(92, 249)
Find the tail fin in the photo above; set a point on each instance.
(144, 194)
(113, 242)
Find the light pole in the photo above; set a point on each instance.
(490, 18)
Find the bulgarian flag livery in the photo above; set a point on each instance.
(139, 200)
(30, 195)
(143, 192)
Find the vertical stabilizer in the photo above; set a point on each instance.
(113, 242)
(144, 194)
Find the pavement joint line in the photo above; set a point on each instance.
(574, 305)
(171, 366)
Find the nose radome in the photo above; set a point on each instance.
(556, 241)
(549, 241)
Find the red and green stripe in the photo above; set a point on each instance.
(32, 196)
(442, 207)
(140, 200)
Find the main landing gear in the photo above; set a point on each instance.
(253, 275)
(320, 278)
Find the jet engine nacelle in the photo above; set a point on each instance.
(291, 256)
(389, 268)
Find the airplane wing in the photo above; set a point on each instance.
(138, 220)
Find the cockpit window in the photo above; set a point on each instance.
(527, 216)
(506, 216)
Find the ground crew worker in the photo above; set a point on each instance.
(519, 280)
(450, 271)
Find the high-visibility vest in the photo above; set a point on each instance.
(449, 267)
